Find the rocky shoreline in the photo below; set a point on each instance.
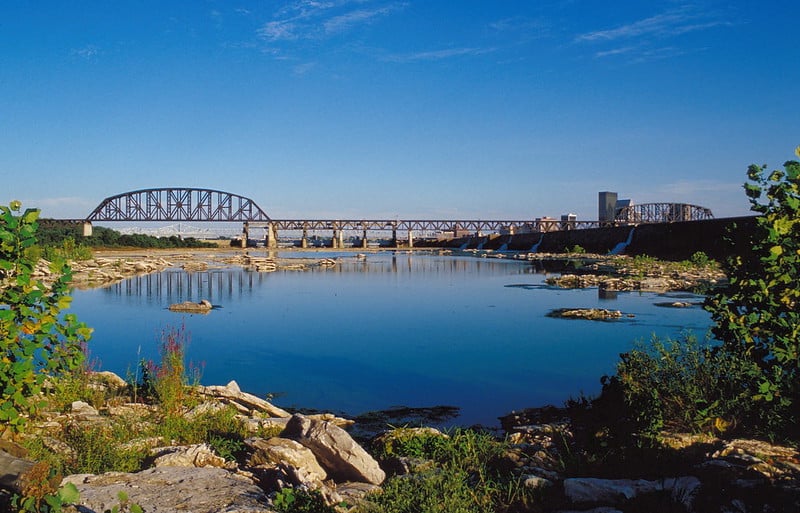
(317, 453)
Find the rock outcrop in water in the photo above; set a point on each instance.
(204, 306)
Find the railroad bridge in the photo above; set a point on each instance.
(209, 205)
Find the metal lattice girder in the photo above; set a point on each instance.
(427, 225)
(177, 204)
(662, 213)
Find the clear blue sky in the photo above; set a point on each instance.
(382, 109)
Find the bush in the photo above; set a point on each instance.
(467, 474)
(683, 385)
(37, 340)
(757, 316)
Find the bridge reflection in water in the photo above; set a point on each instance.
(223, 284)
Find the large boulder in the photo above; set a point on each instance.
(282, 451)
(335, 449)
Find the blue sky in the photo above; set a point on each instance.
(384, 109)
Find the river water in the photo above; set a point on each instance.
(394, 329)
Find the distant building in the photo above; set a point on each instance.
(607, 207)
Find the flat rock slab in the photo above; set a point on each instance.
(171, 490)
(11, 468)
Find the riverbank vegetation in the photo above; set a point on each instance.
(746, 383)
(66, 240)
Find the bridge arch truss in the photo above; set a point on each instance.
(178, 204)
(662, 213)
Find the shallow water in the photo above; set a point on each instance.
(395, 329)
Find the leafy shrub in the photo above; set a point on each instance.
(699, 259)
(757, 317)
(686, 386)
(289, 500)
(41, 493)
(99, 448)
(468, 475)
(37, 340)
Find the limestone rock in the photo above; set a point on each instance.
(110, 379)
(289, 452)
(201, 455)
(335, 449)
(232, 394)
(589, 490)
(12, 468)
(614, 492)
(172, 490)
(82, 408)
(203, 306)
(592, 314)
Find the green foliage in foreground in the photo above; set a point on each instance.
(757, 317)
(750, 384)
(289, 500)
(683, 385)
(41, 493)
(464, 473)
(37, 340)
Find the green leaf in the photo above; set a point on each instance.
(30, 215)
(69, 493)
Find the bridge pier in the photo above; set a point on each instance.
(271, 237)
(337, 242)
(364, 239)
(304, 239)
(245, 233)
(410, 239)
(394, 237)
(87, 228)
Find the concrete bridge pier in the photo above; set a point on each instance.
(394, 237)
(271, 237)
(87, 228)
(245, 233)
(364, 239)
(410, 239)
(304, 240)
(337, 242)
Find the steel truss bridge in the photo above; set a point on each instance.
(662, 213)
(177, 204)
(207, 205)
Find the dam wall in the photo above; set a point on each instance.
(667, 241)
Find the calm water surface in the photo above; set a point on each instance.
(396, 329)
